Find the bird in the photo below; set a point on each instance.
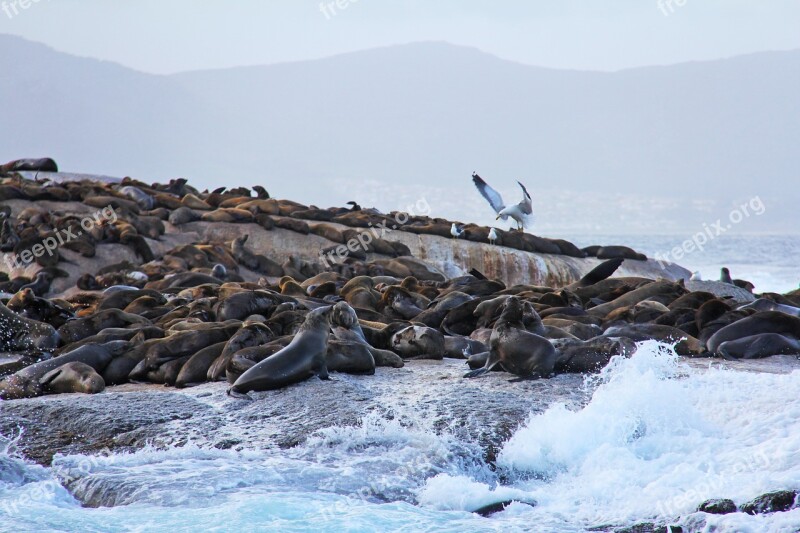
(455, 231)
(492, 236)
(696, 276)
(520, 212)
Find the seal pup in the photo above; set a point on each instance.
(301, 359)
(519, 351)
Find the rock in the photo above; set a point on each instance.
(492, 508)
(771, 502)
(649, 527)
(722, 290)
(127, 417)
(717, 506)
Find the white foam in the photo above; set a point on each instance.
(656, 440)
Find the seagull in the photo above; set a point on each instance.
(455, 231)
(520, 212)
(492, 236)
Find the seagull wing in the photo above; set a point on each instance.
(526, 205)
(491, 195)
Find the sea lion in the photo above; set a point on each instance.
(26, 382)
(349, 357)
(301, 359)
(761, 322)
(656, 290)
(346, 328)
(758, 346)
(243, 304)
(762, 304)
(72, 377)
(576, 356)
(519, 351)
(79, 328)
(249, 335)
(195, 370)
(418, 342)
(684, 344)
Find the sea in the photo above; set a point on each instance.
(771, 262)
(658, 436)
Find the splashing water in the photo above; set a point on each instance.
(657, 438)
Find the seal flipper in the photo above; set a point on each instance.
(600, 272)
(322, 372)
(532, 377)
(491, 361)
(240, 395)
(721, 350)
(50, 376)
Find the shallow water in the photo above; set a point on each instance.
(657, 438)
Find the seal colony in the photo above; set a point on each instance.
(229, 310)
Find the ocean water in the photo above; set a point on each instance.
(770, 262)
(658, 437)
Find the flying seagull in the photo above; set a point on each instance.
(520, 212)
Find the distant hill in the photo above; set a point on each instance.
(646, 149)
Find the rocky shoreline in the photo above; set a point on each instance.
(150, 285)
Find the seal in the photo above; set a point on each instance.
(418, 342)
(195, 370)
(73, 377)
(576, 356)
(758, 346)
(665, 290)
(517, 350)
(249, 335)
(349, 357)
(27, 382)
(685, 344)
(301, 359)
(762, 304)
(346, 328)
(761, 322)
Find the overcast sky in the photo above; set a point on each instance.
(165, 36)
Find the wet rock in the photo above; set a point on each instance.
(717, 506)
(649, 527)
(127, 417)
(781, 500)
(492, 508)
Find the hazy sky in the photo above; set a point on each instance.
(166, 36)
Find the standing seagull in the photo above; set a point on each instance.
(520, 212)
(455, 231)
(492, 236)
